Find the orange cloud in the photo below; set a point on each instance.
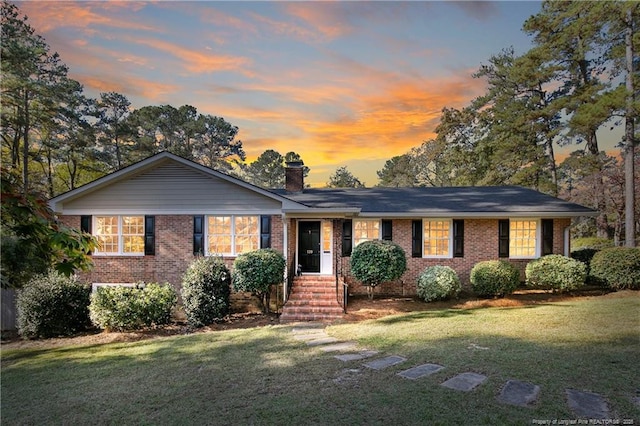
(130, 86)
(196, 61)
(325, 20)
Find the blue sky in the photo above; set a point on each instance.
(341, 83)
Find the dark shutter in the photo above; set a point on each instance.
(198, 235)
(347, 240)
(458, 238)
(503, 238)
(547, 236)
(265, 231)
(387, 231)
(85, 225)
(416, 238)
(149, 235)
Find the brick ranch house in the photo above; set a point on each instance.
(154, 217)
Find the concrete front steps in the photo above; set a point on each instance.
(312, 298)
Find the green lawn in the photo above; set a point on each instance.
(265, 376)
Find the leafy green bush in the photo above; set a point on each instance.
(438, 283)
(595, 243)
(121, 308)
(585, 255)
(377, 261)
(52, 305)
(617, 267)
(206, 288)
(494, 278)
(556, 272)
(256, 271)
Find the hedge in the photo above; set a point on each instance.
(52, 305)
(617, 267)
(121, 308)
(556, 272)
(206, 290)
(438, 283)
(492, 278)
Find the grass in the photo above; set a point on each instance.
(264, 376)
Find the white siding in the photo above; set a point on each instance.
(172, 189)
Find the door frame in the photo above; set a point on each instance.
(326, 259)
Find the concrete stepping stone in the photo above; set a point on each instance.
(309, 328)
(356, 356)
(339, 347)
(382, 363)
(465, 381)
(313, 336)
(522, 394)
(322, 341)
(420, 371)
(587, 405)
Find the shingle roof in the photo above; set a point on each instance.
(445, 201)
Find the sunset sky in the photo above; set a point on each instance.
(341, 83)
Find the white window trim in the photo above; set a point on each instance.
(538, 248)
(233, 217)
(450, 247)
(120, 252)
(353, 229)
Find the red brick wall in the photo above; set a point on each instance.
(174, 253)
(480, 243)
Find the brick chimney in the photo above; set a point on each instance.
(294, 176)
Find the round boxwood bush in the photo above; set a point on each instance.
(617, 267)
(120, 308)
(206, 288)
(377, 261)
(492, 278)
(438, 283)
(556, 272)
(256, 271)
(52, 305)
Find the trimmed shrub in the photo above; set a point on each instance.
(52, 305)
(377, 261)
(206, 288)
(438, 283)
(595, 243)
(256, 271)
(121, 308)
(617, 267)
(494, 278)
(556, 272)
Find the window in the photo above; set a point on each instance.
(437, 238)
(522, 238)
(365, 230)
(119, 234)
(232, 235)
(326, 236)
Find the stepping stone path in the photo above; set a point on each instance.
(420, 371)
(585, 405)
(515, 392)
(465, 381)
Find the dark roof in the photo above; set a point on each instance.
(472, 201)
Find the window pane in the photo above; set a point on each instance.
(132, 225)
(326, 237)
(133, 244)
(219, 244)
(365, 230)
(522, 238)
(106, 233)
(246, 233)
(436, 238)
(219, 225)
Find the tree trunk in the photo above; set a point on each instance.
(25, 146)
(629, 191)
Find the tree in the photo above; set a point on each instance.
(342, 178)
(375, 262)
(256, 271)
(398, 172)
(268, 170)
(113, 109)
(32, 79)
(32, 240)
(218, 148)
